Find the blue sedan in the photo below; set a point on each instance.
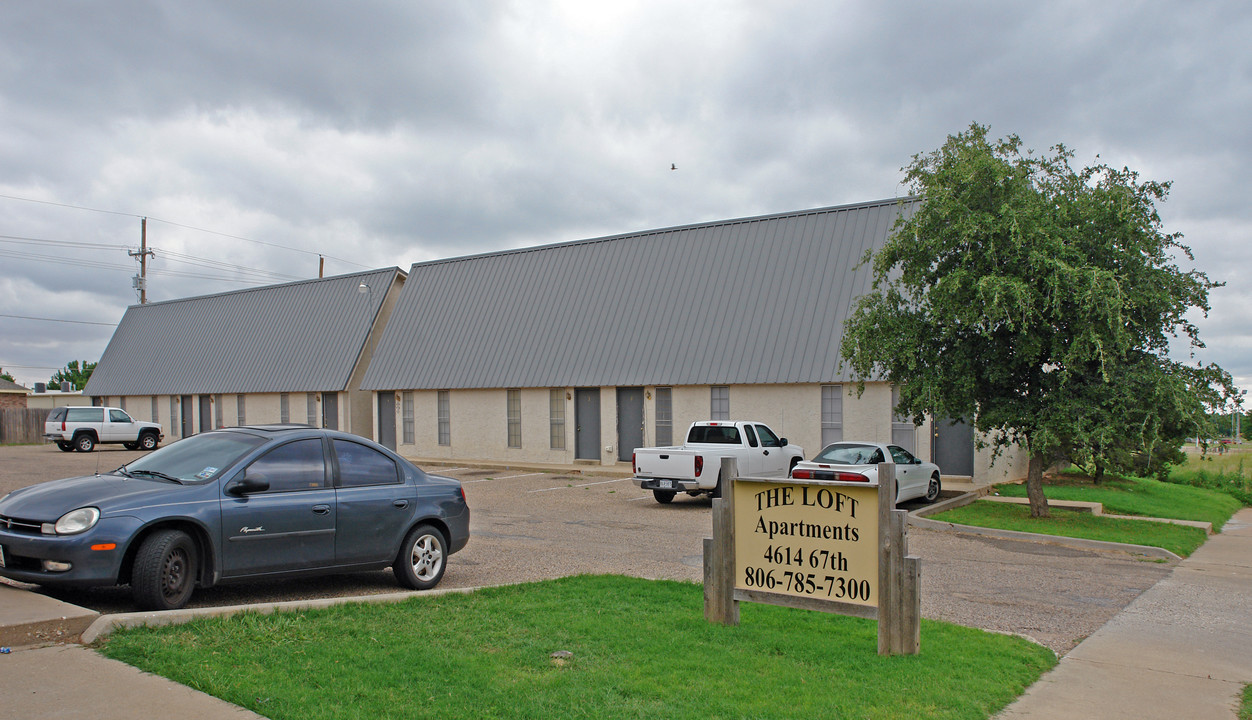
(233, 504)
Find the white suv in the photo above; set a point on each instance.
(81, 428)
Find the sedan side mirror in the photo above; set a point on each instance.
(249, 483)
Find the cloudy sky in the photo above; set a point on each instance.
(256, 136)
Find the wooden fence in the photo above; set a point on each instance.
(21, 426)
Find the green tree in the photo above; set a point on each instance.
(74, 373)
(6, 376)
(1022, 293)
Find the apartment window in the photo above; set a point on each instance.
(556, 417)
(903, 432)
(121, 403)
(719, 405)
(311, 405)
(408, 436)
(664, 416)
(514, 402)
(239, 403)
(284, 408)
(832, 414)
(174, 423)
(217, 411)
(445, 418)
(156, 410)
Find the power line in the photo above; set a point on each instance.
(180, 225)
(41, 319)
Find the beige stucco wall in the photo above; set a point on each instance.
(479, 427)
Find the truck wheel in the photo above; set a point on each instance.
(164, 573)
(717, 489)
(84, 443)
(147, 441)
(665, 497)
(64, 446)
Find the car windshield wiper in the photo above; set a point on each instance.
(156, 474)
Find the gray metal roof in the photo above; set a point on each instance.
(298, 337)
(750, 301)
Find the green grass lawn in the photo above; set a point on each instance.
(1138, 496)
(641, 649)
(1178, 539)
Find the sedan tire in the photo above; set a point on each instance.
(423, 558)
(164, 573)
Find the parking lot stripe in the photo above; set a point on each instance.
(568, 487)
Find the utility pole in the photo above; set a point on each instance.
(141, 280)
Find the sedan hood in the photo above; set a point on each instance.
(48, 501)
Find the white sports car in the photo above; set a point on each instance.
(858, 462)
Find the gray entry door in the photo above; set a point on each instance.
(587, 423)
(954, 447)
(387, 420)
(188, 416)
(330, 410)
(206, 413)
(629, 422)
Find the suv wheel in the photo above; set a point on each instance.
(65, 446)
(147, 441)
(84, 443)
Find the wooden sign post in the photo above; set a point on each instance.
(821, 545)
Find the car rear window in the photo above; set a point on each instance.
(849, 454)
(57, 415)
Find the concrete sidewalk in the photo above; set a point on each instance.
(1183, 649)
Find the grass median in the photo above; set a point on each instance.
(639, 649)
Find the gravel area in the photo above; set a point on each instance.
(529, 526)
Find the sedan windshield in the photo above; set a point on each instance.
(849, 454)
(198, 458)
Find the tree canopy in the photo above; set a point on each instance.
(75, 373)
(1039, 301)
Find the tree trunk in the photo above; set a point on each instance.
(1034, 487)
(1099, 473)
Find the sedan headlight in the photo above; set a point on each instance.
(75, 521)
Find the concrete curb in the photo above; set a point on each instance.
(106, 624)
(918, 518)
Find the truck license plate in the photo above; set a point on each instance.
(664, 484)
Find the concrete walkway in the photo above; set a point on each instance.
(1183, 649)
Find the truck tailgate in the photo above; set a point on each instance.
(666, 463)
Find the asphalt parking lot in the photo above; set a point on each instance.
(530, 526)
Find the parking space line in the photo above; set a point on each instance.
(504, 477)
(567, 487)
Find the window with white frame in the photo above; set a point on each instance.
(311, 406)
(664, 416)
(903, 432)
(217, 411)
(832, 414)
(408, 435)
(176, 427)
(719, 402)
(514, 408)
(121, 403)
(556, 418)
(445, 418)
(239, 406)
(156, 410)
(284, 408)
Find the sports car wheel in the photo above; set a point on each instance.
(932, 489)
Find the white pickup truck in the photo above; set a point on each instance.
(695, 466)
(82, 428)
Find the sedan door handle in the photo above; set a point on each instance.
(321, 509)
(400, 503)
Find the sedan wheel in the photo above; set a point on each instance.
(164, 573)
(932, 489)
(422, 559)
